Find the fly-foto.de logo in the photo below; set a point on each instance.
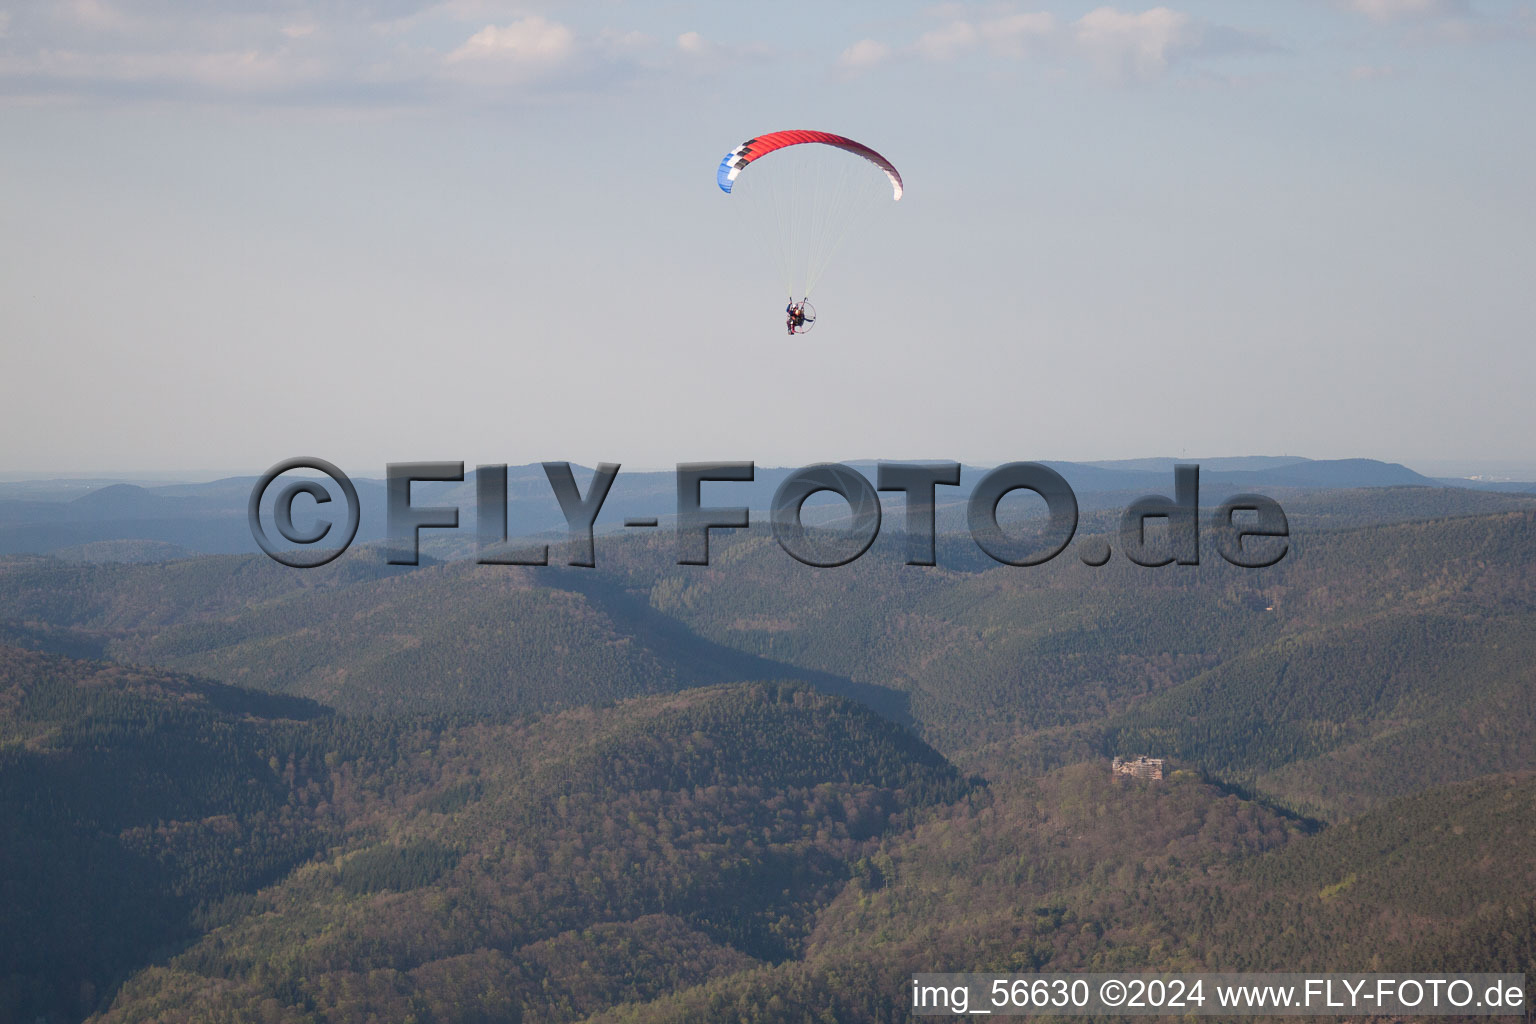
(1248, 530)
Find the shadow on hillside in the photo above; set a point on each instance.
(709, 662)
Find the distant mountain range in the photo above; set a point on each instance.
(125, 521)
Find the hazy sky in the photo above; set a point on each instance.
(490, 231)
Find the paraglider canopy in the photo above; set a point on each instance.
(737, 159)
(807, 198)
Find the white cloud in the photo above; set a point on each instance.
(1017, 35)
(404, 15)
(96, 15)
(532, 40)
(355, 53)
(1122, 44)
(948, 42)
(1136, 45)
(865, 53)
(1396, 10)
(1009, 35)
(236, 72)
(695, 54)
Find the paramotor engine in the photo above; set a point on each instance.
(800, 317)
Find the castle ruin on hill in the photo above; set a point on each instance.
(1139, 767)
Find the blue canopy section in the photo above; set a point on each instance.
(723, 176)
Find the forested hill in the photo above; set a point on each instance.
(579, 861)
(145, 810)
(1075, 872)
(363, 636)
(130, 798)
(757, 851)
